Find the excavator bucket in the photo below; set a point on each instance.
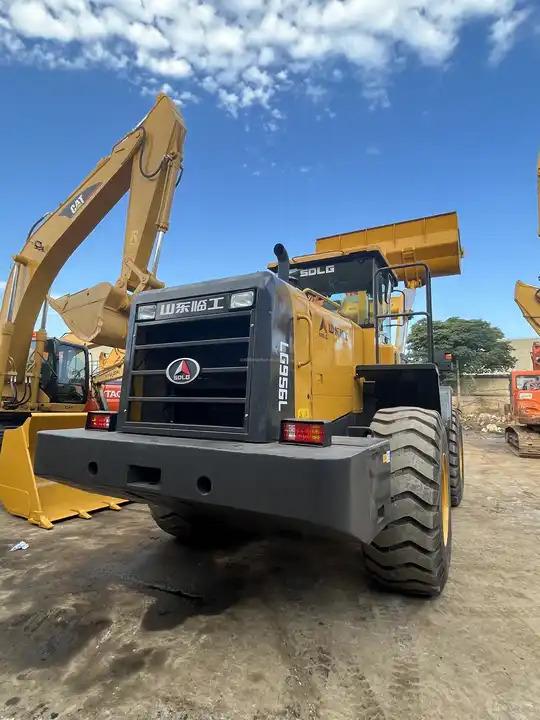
(96, 315)
(41, 501)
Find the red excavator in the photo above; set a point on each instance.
(523, 435)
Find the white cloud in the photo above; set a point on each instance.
(373, 150)
(503, 33)
(2, 284)
(180, 98)
(314, 91)
(247, 52)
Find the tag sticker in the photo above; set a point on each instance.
(386, 457)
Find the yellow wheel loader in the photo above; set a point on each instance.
(44, 382)
(280, 399)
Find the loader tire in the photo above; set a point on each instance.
(455, 457)
(196, 531)
(412, 554)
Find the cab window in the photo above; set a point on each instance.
(527, 382)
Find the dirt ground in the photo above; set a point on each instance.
(109, 618)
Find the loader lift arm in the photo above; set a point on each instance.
(147, 161)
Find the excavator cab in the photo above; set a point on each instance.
(525, 395)
(65, 372)
(522, 435)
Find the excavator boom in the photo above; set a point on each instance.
(527, 297)
(523, 436)
(147, 161)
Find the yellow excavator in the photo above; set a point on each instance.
(523, 434)
(527, 297)
(110, 371)
(45, 381)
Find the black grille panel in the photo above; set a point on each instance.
(217, 398)
(231, 353)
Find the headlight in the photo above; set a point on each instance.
(242, 299)
(146, 312)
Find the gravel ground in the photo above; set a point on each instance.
(109, 618)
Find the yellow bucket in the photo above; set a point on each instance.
(41, 501)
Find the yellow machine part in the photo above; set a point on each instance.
(433, 240)
(99, 312)
(527, 298)
(41, 501)
(327, 346)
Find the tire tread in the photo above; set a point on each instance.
(409, 555)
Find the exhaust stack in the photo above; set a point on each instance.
(283, 262)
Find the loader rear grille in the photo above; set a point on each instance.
(217, 398)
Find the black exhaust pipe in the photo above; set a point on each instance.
(283, 262)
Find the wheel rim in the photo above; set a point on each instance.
(445, 499)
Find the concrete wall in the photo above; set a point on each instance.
(484, 393)
(490, 393)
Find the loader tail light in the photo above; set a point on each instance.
(305, 433)
(101, 421)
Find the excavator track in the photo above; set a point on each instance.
(522, 440)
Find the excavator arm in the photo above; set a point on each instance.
(147, 161)
(527, 297)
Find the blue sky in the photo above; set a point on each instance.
(430, 113)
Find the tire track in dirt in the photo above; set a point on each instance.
(405, 681)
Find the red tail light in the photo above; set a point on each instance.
(305, 432)
(101, 421)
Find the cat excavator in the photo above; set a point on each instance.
(45, 382)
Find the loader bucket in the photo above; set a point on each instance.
(433, 240)
(42, 502)
(96, 315)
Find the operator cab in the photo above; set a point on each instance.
(344, 283)
(65, 372)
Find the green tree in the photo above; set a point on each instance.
(478, 345)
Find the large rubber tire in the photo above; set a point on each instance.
(196, 531)
(457, 464)
(412, 554)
